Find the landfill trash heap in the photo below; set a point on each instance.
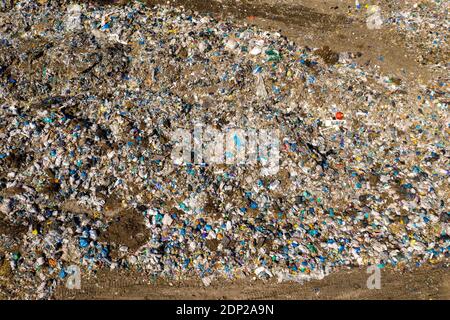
(90, 96)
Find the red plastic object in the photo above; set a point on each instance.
(339, 115)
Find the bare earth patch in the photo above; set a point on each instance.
(430, 282)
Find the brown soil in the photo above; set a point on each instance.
(432, 282)
(127, 229)
(11, 230)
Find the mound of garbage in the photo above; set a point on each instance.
(300, 161)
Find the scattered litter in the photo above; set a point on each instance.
(91, 96)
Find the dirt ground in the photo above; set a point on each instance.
(431, 282)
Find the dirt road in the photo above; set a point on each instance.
(422, 283)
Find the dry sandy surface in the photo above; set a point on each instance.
(432, 282)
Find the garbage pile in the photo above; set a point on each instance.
(425, 23)
(91, 96)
